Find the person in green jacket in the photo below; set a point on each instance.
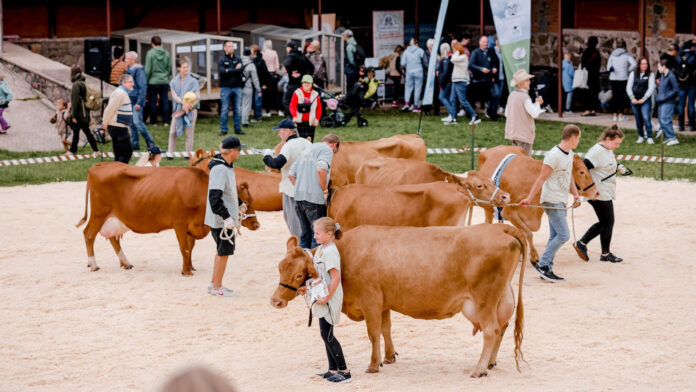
(5, 98)
(158, 70)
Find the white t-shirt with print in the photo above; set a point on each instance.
(557, 186)
(325, 259)
(604, 164)
(291, 151)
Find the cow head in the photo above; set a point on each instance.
(294, 270)
(199, 159)
(251, 222)
(482, 188)
(583, 179)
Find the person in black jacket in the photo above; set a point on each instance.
(591, 60)
(296, 65)
(230, 71)
(484, 69)
(265, 80)
(79, 113)
(686, 79)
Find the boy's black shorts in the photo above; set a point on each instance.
(224, 247)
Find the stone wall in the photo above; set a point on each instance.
(544, 45)
(51, 89)
(68, 51)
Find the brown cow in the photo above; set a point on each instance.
(396, 268)
(518, 178)
(149, 200)
(352, 154)
(264, 186)
(430, 204)
(397, 171)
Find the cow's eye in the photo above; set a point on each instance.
(479, 186)
(299, 276)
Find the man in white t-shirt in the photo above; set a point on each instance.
(555, 181)
(293, 147)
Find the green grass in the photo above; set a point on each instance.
(382, 124)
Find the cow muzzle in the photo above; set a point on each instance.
(278, 303)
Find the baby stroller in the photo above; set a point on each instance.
(351, 103)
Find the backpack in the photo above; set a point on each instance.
(93, 98)
(685, 69)
(359, 55)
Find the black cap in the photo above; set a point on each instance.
(285, 123)
(154, 150)
(231, 142)
(291, 44)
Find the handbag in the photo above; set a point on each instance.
(580, 78)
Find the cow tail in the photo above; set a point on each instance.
(519, 318)
(84, 218)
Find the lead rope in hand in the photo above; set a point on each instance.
(229, 234)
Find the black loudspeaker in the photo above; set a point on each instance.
(98, 57)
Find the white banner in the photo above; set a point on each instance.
(513, 24)
(432, 63)
(387, 32)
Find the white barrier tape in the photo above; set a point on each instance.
(251, 151)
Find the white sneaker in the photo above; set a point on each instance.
(210, 287)
(451, 122)
(650, 141)
(615, 118)
(672, 142)
(280, 113)
(640, 140)
(658, 133)
(475, 120)
(446, 119)
(622, 118)
(461, 113)
(222, 292)
(501, 110)
(267, 114)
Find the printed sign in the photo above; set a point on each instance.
(387, 32)
(513, 23)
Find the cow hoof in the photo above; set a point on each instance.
(129, 266)
(390, 359)
(534, 262)
(186, 273)
(372, 370)
(492, 365)
(94, 269)
(193, 269)
(479, 374)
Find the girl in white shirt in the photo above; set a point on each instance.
(602, 164)
(327, 262)
(151, 159)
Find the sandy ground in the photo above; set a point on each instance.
(629, 326)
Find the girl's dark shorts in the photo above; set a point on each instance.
(224, 248)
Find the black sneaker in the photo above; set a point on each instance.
(547, 274)
(541, 270)
(240, 132)
(581, 249)
(223, 134)
(326, 375)
(340, 377)
(611, 257)
(554, 277)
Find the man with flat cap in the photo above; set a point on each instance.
(222, 209)
(288, 154)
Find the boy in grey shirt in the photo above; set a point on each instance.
(310, 175)
(222, 209)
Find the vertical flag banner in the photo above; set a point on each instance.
(513, 24)
(387, 32)
(432, 64)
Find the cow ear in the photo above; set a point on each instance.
(198, 153)
(244, 185)
(292, 243)
(211, 152)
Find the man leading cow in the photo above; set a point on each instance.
(554, 180)
(291, 150)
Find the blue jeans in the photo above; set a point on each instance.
(459, 93)
(227, 93)
(569, 100)
(138, 128)
(558, 226)
(686, 92)
(496, 93)
(258, 104)
(414, 84)
(665, 112)
(445, 97)
(307, 213)
(642, 114)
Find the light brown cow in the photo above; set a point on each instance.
(264, 186)
(352, 154)
(430, 204)
(517, 178)
(149, 200)
(426, 273)
(396, 171)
